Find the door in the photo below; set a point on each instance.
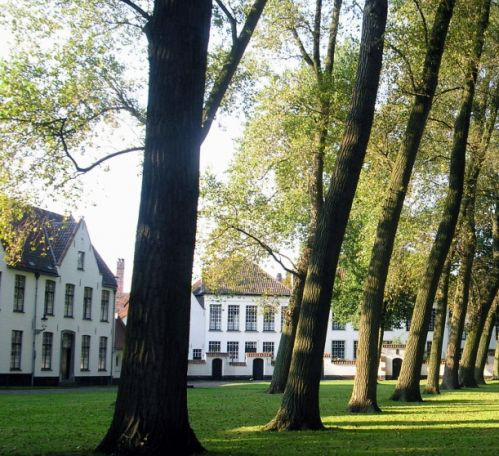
(67, 356)
(396, 365)
(216, 369)
(258, 369)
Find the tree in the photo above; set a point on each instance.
(483, 348)
(363, 397)
(300, 404)
(151, 408)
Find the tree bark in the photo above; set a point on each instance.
(407, 388)
(363, 397)
(151, 415)
(299, 409)
(483, 347)
(432, 382)
(495, 371)
(284, 353)
(477, 322)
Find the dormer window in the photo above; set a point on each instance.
(81, 260)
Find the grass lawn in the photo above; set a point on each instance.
(227, 420)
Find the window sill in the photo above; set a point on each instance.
(102, 370)
(86, 319)
(215, 330)
(84, 370)
(251, 330)
(46, 369)
(104, 321)
(233, 330)
(68, 316)
(18, 311)
(269, 330)
(15, 369)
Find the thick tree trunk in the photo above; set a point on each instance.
(433, 380)
(483, 347)
(495, 369)
(407, 387)
(300, 404)
(151, 416)
(363, 397)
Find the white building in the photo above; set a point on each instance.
(56, 308)
(235, 332)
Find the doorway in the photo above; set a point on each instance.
(216, 369)
(258, 369)
(396, 365)
(67, 357)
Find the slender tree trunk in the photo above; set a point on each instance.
(284, 353)
(483, 347)
(407, 388)
(363, 397)
(151, 408)
(495, 371)
(485, 301)
(432, 382)
(283, 358)
(300, 404)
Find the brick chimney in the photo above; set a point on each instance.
(120, 274)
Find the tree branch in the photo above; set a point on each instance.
(425, 26)
(231, 18)
(229, 68)
(316, 33)
(274, 254)
(137, 9)
(333, 32)
(308, 60)
(408, 64)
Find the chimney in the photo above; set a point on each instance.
(279, 277)
(120, 273)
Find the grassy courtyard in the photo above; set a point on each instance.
(227, 419)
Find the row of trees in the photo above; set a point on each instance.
(323, 169)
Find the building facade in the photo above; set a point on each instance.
(56, 308)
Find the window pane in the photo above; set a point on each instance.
(233, 318)
(251, 313)
(215, 317)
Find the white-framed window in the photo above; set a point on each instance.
(47, 342)
(16, 350)
(336, 326)
(81, 261)
(197, 353)
(233, 318)
(69, 299)
(48, 308)
(214, 346)
(268, 347)
(337, 349)
(85, 353)
(250, 347)
(233, 350)
(87, 303)
(251, 315)
(104, 306)
(284, 315)
(102, 353)
(428, 347)
(355, 347)
(431, 326)
(19, 288)
(215, 317)
(269, 320)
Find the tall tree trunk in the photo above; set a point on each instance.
(468, 360)
(495, 369)
(407, 388)
(300, 404)
(483, 347)
(284, 353)
(363, 397)
(151, 415)
(283, 358)
(485, 301)
(433, 379)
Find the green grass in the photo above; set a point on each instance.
(227, 420)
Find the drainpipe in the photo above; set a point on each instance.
(113, 331)
(33, 357)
